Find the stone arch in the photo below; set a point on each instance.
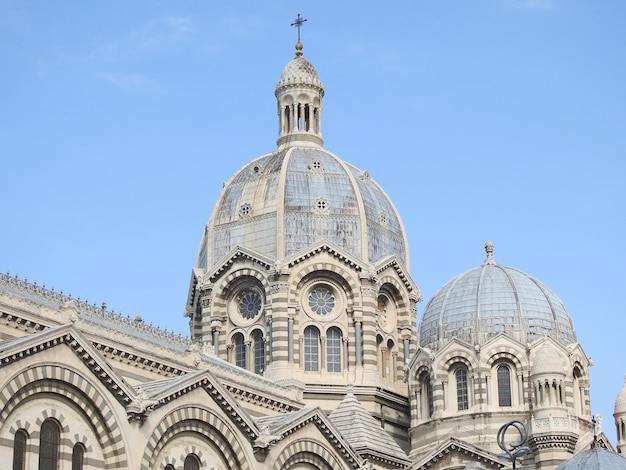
(222, 289)
(307, 451)
(505, 353)
(334, 324)
(78, 393)
(335, 272)
(398, 289)
(458, 356)
(200, 421)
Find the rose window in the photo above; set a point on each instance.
(321, 301)
(249, 305)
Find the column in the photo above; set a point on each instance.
(394, 366)
(406, 351)
(290, 340)
(383, 360)
(216, 339)
(268, 341)
(357, 341)
(246, 354)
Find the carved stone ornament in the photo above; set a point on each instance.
(263, 442)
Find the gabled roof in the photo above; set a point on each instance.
(239, 253)
(365, 434)
(595, 458)
(152, 395)
(470, 453)
(394, 262)
(328, 247)
(285, 424)
(71, 337)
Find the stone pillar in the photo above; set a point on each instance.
(268, 341)
(246, 354)
(357, 343)
(290, 340)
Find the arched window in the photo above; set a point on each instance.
(380, 352)
(579, 394)
(49, 439)
(19, 449)
(240, 350)
(333, 350)
(391, 360)
(259, 351)
(504, 386)
(192, 462)
(78, 456)
(169, 466)
(462, 400)
(428, 405)
(311, 349)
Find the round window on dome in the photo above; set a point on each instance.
(322, 300)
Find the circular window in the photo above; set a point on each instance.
(249, 304)
(321, 300)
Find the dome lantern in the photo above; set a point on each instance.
(299, 94)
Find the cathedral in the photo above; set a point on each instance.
(306, 347)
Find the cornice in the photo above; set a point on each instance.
(238, 255)
(335, 253)
(454, 445)
(143, 406)
(261, 399)
(30, 346)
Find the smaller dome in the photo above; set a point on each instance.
(547, 361)
(620, 401)
(298, 71)
(596, 458)
(493, 299)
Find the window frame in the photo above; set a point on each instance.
(311, 349)
(334, 341)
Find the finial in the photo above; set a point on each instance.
(298, 22)
(489, 250)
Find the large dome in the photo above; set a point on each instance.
(493, 299)
(284, 202)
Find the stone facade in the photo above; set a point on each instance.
(304, 352)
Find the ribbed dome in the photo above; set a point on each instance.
(299, 71)
(596, 458)
(620, 401)
(547, 361)
(492, 299)
(284, 202)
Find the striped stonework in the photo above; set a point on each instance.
(203, 423)
(309, 453)
(69, 385)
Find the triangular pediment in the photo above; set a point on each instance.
(238, 254)
(502, 340)
(282, 425)
(70, 337)
(153, 395)
(461, 451)
(394, 263)
(325, 246)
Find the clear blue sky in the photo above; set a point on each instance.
(500, 120)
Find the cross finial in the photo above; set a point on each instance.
(299, 21)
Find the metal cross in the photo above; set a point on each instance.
(298, 23)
